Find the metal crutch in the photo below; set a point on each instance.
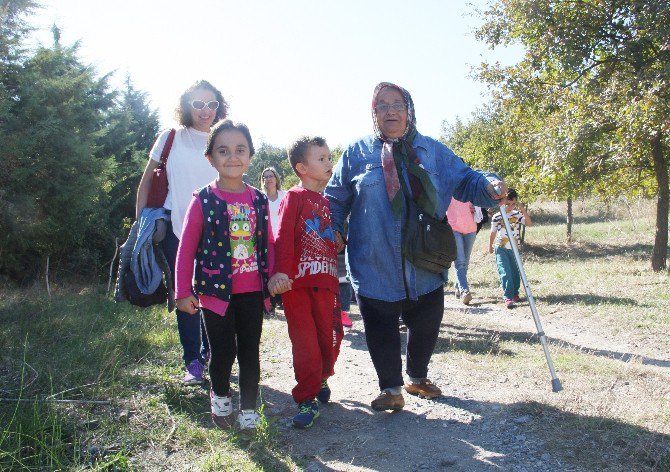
(555, 382)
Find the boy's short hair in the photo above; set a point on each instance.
(511, 194)
(298, 150)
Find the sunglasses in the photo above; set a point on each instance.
(199, 104)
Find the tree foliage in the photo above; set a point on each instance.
(591, 94)
(72, 152)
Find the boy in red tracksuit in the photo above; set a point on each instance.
(306, 275)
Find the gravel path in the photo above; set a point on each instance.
(463, 430)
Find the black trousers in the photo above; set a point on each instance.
(237, 334)
(382, 332)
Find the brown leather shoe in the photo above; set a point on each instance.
(388, 401)
(424, 389)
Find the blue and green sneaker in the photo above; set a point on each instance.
(307, 412)
(324, 394)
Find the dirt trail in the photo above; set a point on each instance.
(563, 330)
(469, 428)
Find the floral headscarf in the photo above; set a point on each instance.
(398, 153)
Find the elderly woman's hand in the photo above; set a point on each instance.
(497, 190)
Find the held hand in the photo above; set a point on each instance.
(188, 305)
(339, 242)
(490, 249)
(279, 283)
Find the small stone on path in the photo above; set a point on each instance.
(522, 419)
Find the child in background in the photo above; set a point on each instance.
(510, 278)
(227, 232)
(345, 285)
(345, 290)
(306, 266)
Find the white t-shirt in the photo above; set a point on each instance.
(187, 170)
(274, 211)
(516, 219)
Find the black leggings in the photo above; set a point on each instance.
(237, 334)
(422, 318)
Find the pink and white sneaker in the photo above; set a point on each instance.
(346, 321)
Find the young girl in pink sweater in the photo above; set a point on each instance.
(227, 233)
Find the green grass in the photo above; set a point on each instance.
(604, 275)
(89, 348)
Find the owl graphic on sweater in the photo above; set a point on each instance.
(242, 238)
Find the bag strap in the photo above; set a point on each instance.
(409, 196)
(166, 148)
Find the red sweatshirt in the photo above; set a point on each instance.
(305, 243)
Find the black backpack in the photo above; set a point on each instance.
(137, 298)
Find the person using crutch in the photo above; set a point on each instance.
(499, 242)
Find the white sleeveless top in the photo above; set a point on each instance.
(187, 170)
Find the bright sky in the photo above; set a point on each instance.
(287, 68)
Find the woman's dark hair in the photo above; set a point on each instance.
(511, 194)
(183, 111)
(226, 125)
(276, 174)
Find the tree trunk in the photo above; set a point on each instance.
(659, 255)
(569, 220)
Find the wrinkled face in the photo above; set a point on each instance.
(230, 154)
(317, 164)
(392, 122)
(203, 118)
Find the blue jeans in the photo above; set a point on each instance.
(190, 327)
(464, 243)
(345, 296)
(510, 278)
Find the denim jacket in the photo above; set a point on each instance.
(356, 188)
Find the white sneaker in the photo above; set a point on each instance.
(466, 297)
(248, 419)
(222, 408)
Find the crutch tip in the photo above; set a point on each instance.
(556, 385)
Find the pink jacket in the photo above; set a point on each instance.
(461, 217)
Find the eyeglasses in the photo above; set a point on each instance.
(199, 104)
(384, 108)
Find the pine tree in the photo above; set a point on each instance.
(130, 131)
(55, 175)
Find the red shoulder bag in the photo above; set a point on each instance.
(159, 181)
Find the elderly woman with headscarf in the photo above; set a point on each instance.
(366, 186)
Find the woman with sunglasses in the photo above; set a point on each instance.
(200, 106)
